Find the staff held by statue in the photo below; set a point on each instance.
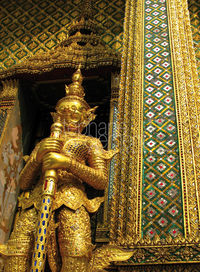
(48, 193)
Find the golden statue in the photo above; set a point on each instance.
(53, 214)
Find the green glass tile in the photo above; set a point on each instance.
(102, 4)
(43, 4)
(23, 19)
(117, 29)
(110, 10)
(13, 27)
(118, 16)
(3, 55)
(34, 11)
(54, 29)
(50, 9)
(60, 3)
(65, 21)
(76, 2)
(119, 3)
(42, 16)
(40, 51)
(21, 54)
(25, 39)
(19, 33)
(29, 25)
(57, 15)
(7, 21)
(50, 44)
(100, 18)
(61, 35)
(8, 41)
(116, 45)
(10, 62)
(3, 34)
(36, 31)
(108, 23)
(11, 7)
(74, 14)
(107, 38)
(14, 47)
(27, 6)
(32, 45)
(68, 7)
(17, 13)
(3, 15)
(43, 37)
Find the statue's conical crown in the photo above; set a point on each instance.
(75, 88)
(74, 92)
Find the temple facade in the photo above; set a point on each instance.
(141, 66)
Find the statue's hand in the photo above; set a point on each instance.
(54, 160)
(48, 145)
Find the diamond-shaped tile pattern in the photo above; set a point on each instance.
(36, 25)
(162, 197)
(3, 115)
(194, 8)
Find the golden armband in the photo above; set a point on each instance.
(94, 177)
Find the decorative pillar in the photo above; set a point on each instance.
(155, 204)
(102, 232)
(194, 8)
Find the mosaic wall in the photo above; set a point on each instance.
(3, 115)
(162, 200)
(11, 163)
(32, 26)
(194, 8)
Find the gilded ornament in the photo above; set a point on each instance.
(53, 216)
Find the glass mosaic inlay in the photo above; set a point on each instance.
(162, 196)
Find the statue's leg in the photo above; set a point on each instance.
(21, 241)
(74, 237)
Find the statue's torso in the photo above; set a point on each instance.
(70, 189)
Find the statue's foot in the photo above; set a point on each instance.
(103, 256)
(3, 251)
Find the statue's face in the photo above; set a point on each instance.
(73, 113)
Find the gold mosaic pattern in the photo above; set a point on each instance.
(126, 198)
(126, 211)
(194, 8)
(29, 27)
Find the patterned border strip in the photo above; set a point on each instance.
(187, 99)
(125, 212)
(158, 268)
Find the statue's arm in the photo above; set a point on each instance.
(30, 170)
(32, 167)
(96, 173)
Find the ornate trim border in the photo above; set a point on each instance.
(186, 93)
(126, 200)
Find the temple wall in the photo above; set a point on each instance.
(30, 27)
